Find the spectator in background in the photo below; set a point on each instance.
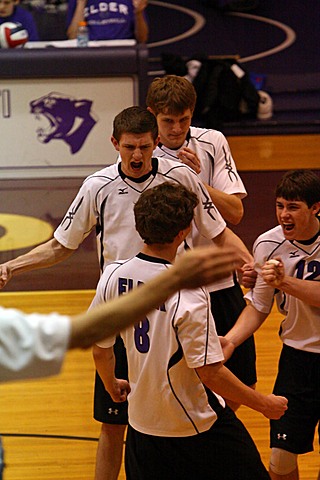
(114, 20)
(10, 11)
(50, 17)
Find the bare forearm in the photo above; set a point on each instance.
(230, 206)
(77, 17)
(105, 363)
(306, 290)
(248, 322)
(141, 28)
(110, 318)
(43, 256)
(228, 239)
(218, 378)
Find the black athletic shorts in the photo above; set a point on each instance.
(226, 306)
(298, 380)
(105, 409)
(225, 451)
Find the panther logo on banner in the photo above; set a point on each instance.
(67, 118)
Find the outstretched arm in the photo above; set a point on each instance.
(199, 266)
(34, 345)
(45, 255)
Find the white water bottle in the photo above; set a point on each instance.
(82, 35)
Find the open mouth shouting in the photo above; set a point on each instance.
(287, 227)
(136, 166)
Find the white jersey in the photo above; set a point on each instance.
(218, 170)
(31, 345)
(163, 352)
(105, 203)
(301, 327)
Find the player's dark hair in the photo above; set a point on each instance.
(163, 211)
(171, 95)
(134, 120)
(301, 185)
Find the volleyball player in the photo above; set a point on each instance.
(179, 425)
(104, 204)
(172, 100)
(288, 260)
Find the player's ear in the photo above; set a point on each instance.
(157, 140)
(115, 143)
(184, 233)
(150, 110)
(316, 208)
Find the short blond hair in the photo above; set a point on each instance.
(171, 94)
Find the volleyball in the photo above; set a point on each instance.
(12, 35)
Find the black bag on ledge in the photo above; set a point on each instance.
(225, 92)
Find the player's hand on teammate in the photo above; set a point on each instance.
(120, 391)
(275, 406)
(273, 272)
(203, 265)
(5, 275)
(248, 275)
(190, 158)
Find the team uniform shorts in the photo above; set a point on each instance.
(225, 451)
(226, 306)
(105, 409)
(298, 380)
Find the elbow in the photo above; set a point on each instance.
(236, 215)
(97, 353)
(235, 219)
(210, 374)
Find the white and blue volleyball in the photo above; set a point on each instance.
(13, 35)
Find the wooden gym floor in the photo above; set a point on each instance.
(47, 425)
